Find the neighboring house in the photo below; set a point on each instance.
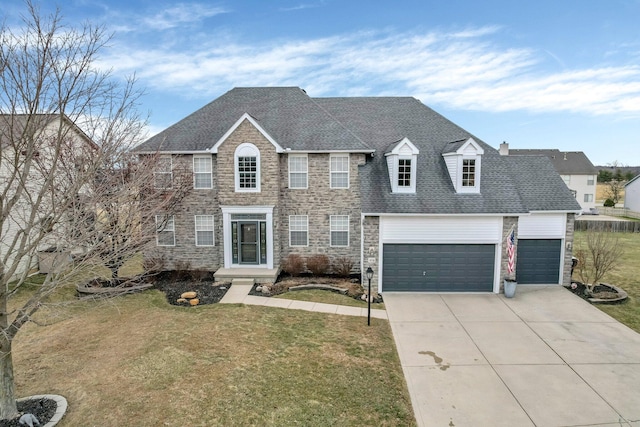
(576, 170)
(632, 194)
(386, 182)
(29, 143)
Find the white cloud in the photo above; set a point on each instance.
(463, 69)
(181, 13)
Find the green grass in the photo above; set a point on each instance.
(137, 360)
(327, 297)
(627, 276)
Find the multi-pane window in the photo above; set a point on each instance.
(339, 171)
(163, 174)
(404, 172)
(202, 172)
(247, 172)
(165, 230)
(298, 230)
(204, 230)
(339, 225)
(588, 197)
(468, 172)
(566, 179)
(298, 171)
(590, 179)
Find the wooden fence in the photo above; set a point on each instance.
(616, 226)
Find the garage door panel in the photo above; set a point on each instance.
(538, 261)
(438, 267)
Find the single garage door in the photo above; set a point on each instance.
(538, 261)
(438, 268)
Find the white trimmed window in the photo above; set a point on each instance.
(404, 173)
(298, 230)
(298, 171)
(591, 179)
(339, 225)
(401, 163)
(566, 178)
(163, 174)
(165, 230)
(588, 197)
(339, 170)
(202, 172)
(204, 230)
(468, 172)
(247, 168)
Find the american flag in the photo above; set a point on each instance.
(511, 251)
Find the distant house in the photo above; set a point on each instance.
(385, 183)
(29, 145)
(574, 167)
(632, 194)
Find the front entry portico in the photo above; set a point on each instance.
(248, 236)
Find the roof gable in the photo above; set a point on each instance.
(255, 124)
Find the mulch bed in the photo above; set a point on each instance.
(43, 409)
(601, 291)
(208, 291)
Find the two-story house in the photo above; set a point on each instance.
(384, 181)
(40, 155)
(574, 167)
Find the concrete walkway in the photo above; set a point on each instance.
(239, 294)
(543, 358)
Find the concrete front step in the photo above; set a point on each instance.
(258, 275)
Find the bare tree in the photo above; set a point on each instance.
(615, 186)
(601, 252)
(67, 177)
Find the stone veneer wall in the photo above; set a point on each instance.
(507, 223)
(568, 250)
(371, 250)
(197, 202)
(319, 202)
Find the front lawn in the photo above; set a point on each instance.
(627, 276)
(138, 361)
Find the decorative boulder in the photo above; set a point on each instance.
(181, 300)
(188, 295)
(194, 301)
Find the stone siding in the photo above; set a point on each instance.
(507, 223)
(568, 250)
(318, 202)
(371, 253)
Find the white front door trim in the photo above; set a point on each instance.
(227, 211)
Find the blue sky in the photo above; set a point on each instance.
(537, 74)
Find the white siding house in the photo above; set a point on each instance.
(632, 195)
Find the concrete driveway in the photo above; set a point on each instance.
(543, 358)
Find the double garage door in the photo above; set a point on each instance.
(438, 267)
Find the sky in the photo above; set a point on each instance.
(536, 74)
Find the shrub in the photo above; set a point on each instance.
(318, 264)
(609, 203)
(343, 266)
(199, 274)
(182, 270)
(293, 264)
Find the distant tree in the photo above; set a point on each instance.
(604, 176)
(615, 185)
(629, 175)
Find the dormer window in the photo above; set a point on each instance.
(402, 158)
(468, 172)
(463, 159)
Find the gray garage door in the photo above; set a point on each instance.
(438, 268)
(538, 261)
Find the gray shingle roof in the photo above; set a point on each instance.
(509, 184)
(565, 162)
(286, 113)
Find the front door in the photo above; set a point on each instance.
(249, 248)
